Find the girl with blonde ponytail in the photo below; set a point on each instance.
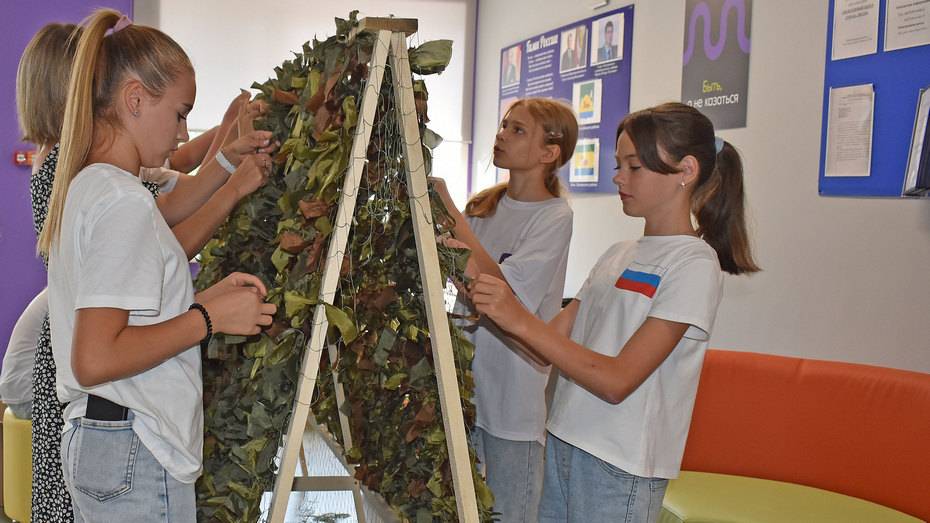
(124, 317)
(630, 346)
(41, 93)
(518, 231)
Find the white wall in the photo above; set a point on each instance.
(235, 42)
(844, 279)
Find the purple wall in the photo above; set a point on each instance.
(21, 272)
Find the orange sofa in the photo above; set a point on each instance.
(858, 430)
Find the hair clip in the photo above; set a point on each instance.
(121, 24)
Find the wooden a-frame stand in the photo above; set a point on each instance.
(391, 44)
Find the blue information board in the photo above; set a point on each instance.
(897, 77)
(587, 65)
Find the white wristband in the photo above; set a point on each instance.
(224, 162)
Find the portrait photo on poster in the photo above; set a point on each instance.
(584, 162)
(607, 39)
(586, 100)
(511, 63)
(574, 49)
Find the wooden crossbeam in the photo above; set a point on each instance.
(408, 26)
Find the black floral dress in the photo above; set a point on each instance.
(50, 500)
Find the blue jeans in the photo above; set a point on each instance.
(112, 477)
(514, 472)
(579, 487)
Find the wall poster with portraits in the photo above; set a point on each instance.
(586, 64)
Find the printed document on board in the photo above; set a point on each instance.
(849, 130)
(855, 28)
(907, 23)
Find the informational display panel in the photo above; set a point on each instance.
(586, 64)
(876, 125)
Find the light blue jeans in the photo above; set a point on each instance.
(514, 472)
(579, 487)
(112, 477)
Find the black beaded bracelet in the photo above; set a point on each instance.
(206, 318)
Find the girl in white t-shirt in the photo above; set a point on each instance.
(123, 313)
(630, 346)
(518, 231)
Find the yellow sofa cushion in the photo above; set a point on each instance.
(704, 497)
(17, 467)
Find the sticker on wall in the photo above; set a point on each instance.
(584, 162)
(715, 70)
(586, 99)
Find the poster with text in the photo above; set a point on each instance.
(715, 65)
(586, 65)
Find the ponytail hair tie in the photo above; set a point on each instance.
(718, 144)
(121, 24)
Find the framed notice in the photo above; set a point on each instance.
(585, 64)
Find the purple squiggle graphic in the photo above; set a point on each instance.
(713, 51)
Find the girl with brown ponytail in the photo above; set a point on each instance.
(519, 232)
(124, 317)
(630, 346)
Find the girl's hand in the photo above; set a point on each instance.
(251, 174)
(231, 282)
(235, 106)
(249, 143)
(494, 298)
(247, 115)
(240, 311)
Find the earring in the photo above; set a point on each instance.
(682, 184)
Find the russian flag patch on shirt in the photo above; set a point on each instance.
(641, 282)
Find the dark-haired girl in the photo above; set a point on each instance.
(630, 346)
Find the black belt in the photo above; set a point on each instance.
(102, 409)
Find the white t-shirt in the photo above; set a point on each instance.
(675, 278)
(530, 241)
(115, 250)
(20, 357)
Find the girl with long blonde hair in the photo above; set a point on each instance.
(518, 231)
